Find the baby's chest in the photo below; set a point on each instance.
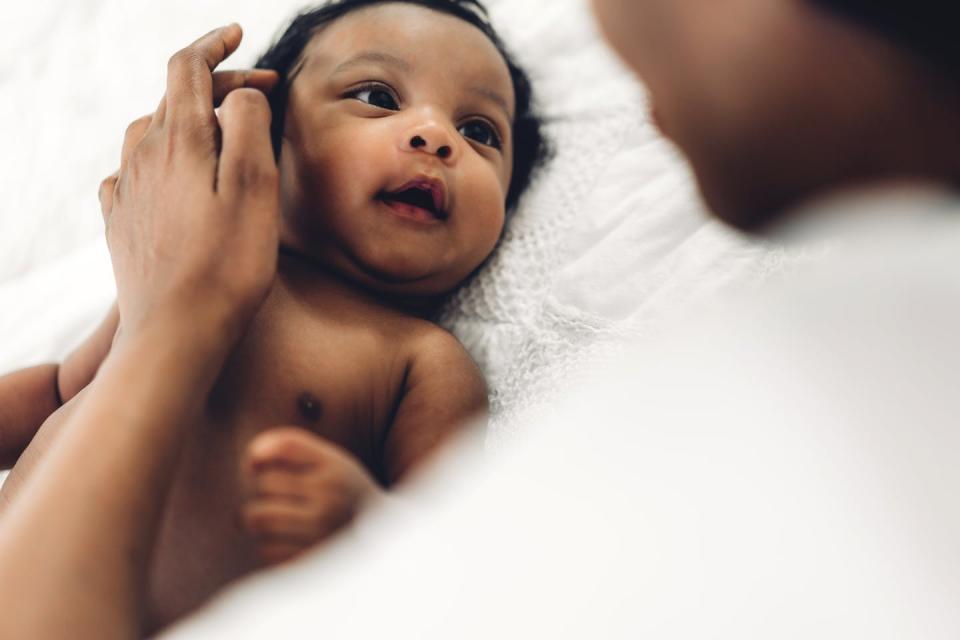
(341, 382)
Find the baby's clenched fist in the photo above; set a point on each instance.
(302, 490)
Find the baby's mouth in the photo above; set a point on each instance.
(423, 199)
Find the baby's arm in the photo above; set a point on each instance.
(29, 396)
(444, 392)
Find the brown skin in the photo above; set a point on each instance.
(776, 102)
(339, 152)
(319, 342)
(136, 416)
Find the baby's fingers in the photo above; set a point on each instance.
(282, 521)
(275, 552)
(279, 520)
(287, 447)
(283, 484)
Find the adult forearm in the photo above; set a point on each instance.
(75, 546)
(192, 227)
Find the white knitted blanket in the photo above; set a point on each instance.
(612, 237)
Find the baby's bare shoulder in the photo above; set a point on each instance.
(432, 347)
(444, 392)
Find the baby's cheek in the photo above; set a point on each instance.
(479, 242)
(493, 214)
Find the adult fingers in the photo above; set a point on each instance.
(247, 166)
(134, 136)
(226, 81)
(189, 72)
(107, 189)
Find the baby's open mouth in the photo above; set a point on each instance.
(417, 197)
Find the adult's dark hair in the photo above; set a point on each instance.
(926, 27)
(530, 147)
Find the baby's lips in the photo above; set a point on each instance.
(435, 186)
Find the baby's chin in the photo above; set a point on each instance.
(392, 279)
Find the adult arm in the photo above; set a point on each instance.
(75, 545)
(29, 396)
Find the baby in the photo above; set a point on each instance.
(403, 132)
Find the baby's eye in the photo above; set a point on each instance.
(376, 96)
(482, 132)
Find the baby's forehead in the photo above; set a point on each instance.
(409, 38)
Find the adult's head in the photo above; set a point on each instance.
(775, 101)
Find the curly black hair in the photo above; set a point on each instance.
(530, 146)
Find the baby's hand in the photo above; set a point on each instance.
(302, 488)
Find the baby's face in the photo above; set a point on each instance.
(397, 154)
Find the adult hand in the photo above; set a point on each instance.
(192, 218)
(223, 83)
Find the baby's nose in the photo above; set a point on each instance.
(433, 140)
(418, 142)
